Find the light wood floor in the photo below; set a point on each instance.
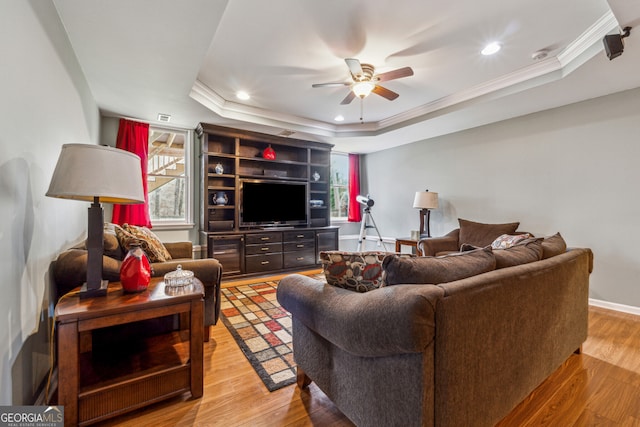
(599, 387)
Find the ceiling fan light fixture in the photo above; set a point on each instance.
(363, 89)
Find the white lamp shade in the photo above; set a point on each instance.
(86, 171)
(425, 200)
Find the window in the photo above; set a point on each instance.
(168, 172)
(339, 186)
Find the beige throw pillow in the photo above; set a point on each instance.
(148, 241)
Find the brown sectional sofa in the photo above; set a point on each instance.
(459, 353)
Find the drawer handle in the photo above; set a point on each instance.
(265, 238)
(264, 249)
(300, 258)
(264, 262)
(300, 236)
(299, 246)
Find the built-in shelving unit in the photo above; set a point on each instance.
(230, 155)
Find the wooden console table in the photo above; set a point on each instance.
(98, 381)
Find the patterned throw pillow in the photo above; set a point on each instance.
(507, 240)
(148, 241)
(356, 271)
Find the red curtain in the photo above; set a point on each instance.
(354, 213)
(134, 137)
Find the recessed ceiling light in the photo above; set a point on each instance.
(242, 95)
(491, 48)
(339, 118)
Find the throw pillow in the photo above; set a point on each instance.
(435, 270)
(356, 271)
(553, 245)
(507, 240)
(478, 234)
(148, 241)
(111, 245)
(526, 251)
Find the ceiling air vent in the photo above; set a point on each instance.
(286, 133)
(164, 117)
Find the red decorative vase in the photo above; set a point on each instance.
(269, 153)
(135, 271)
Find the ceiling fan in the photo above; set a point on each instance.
(365, 80)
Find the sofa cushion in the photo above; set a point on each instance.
(526, 251)
(356, 271)
(435, 270)
(507, 240)
(553, 245)
(148, 241)
(479, 234)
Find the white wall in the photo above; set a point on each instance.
(572, 169)
(44, 103)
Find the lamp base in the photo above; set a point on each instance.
(98, 292)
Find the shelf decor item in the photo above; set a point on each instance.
(219, 169)
(96, 174)
(178, 278)
(135, 271)
(315, 176)
(269, 153)
(220, 198)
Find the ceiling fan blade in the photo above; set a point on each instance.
(395, 74)
(354, 66)
(385, 93)
(350, 97)
(336, 84)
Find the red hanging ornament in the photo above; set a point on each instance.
(269, 153)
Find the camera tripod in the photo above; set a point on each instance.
(364, 226)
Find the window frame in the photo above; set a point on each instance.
(339, 219)
(187, 222)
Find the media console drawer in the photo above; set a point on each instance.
(265, 248)
(266, 262)
(259, 238)
(300, 258)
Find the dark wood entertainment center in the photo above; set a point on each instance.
(230, 156)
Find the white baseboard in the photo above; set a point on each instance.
(615, 306)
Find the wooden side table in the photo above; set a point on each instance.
(96, 382)
(407, 241)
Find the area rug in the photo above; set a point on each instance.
(262, 329)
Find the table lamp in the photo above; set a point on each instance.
(425, 201)
(96, 173)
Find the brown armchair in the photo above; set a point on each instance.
(472, 233)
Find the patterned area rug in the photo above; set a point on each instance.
(262, 329)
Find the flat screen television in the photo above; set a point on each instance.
(266, 203)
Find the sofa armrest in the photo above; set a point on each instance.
(446, 243)
(180, 249)
(390, 320)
